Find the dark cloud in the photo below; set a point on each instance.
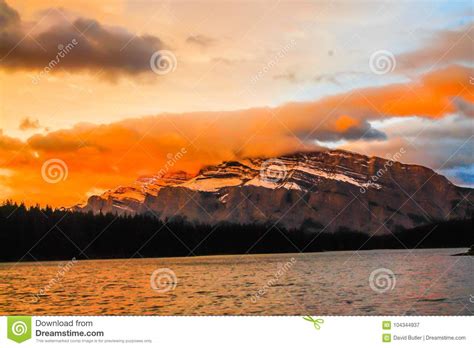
(8, 15)
(227, 61)
(201, 40)
(289, 76)
(453, 128)
(89, 44)
(321, 78)
(362, 131)
(27, 124)
(464, 107)
(326, 78)
(58, 142)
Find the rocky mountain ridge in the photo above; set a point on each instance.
(316, 191)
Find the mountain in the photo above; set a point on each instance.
(325, 191)
(129, 199)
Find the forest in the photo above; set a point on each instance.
(34, 233)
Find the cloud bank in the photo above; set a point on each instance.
(99, 48)
(113, 154)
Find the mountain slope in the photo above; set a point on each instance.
(318, 191)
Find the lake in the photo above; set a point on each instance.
(376, 282)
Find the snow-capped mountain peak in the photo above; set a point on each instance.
(334, 189)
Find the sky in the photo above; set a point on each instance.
(94, 94)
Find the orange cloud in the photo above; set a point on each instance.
(445, 47)
(344, 122)
(104, 156)
(27, 124)
(433, 95)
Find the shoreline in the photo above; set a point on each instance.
(235, 255)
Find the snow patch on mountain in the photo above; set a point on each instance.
(211, 184)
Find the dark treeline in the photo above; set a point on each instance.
(45, 234)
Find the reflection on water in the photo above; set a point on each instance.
(426, 282)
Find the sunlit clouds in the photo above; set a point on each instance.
(273, 78)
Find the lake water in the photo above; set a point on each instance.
(424, 282)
